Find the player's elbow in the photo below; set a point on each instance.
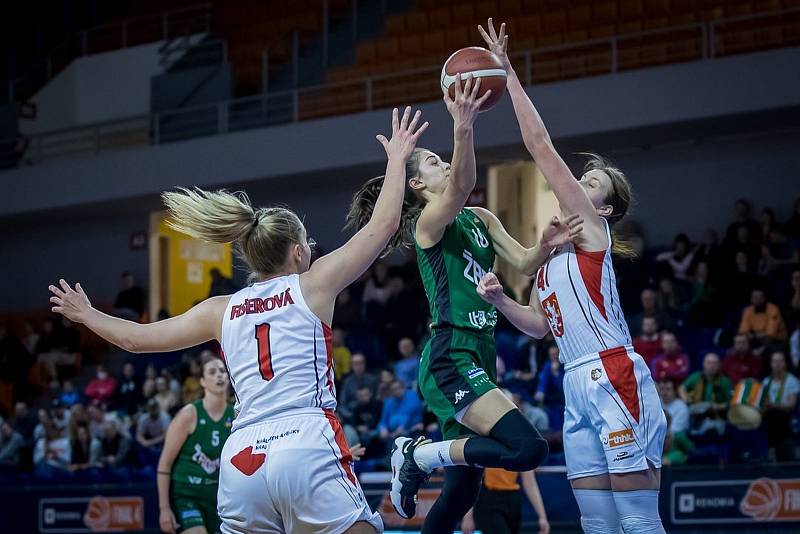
(130, 344)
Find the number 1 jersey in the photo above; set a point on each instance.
(279, 354)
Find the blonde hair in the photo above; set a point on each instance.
(261, 236)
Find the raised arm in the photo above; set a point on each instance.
(528, 260)
(335, 271)
(177, 432)
(530, 319)
(442, 210)
(200, 324)
(570, 194)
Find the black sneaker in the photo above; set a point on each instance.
(407, 476)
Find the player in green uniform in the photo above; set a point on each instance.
(455, 247)
(188, 470)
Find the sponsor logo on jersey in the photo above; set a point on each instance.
(475, 372)
(620, 438)
(460, 394)
(480, 239)
(209, 466)
(623, 455)
(473, 271)
(596, 374)
(481, 318)
(194, 480)
(553, 312)
(262, 443)
(258, 305)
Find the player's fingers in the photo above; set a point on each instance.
(505, 43)
(475, 88)
(501, 36)
(65, 286)
(395, 121)
(492, 33)
(79, 289)
(56, 291)
(404, 121)
(56, 300)
(575, 231)
(414, 121)
(458, 85)
(57, 309)
(485, 97)
(382, 140)
(421, 130)
(468, 85)
(484, 35)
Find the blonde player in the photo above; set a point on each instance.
(286, 466)
(614, 426)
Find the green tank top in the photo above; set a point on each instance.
(451, 270)
(198, 461)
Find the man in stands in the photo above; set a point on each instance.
(102, 387)
(357, 379)
(648, 343)
(707, 393)
(762, 321)
(672, 363)
(674, 406)
(740, 362)
(649, 299)
(130, 301)
(407, 369)
(151, 429)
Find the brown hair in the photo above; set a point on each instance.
(619, 198)
(364, 200)
(261, 236)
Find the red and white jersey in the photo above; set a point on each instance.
(279, 354)
(578, 293)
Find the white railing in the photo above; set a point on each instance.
(689, 42)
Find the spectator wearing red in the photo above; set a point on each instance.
(672, 363)
(648, 343)
(102, 387)
(762, 321)
(740, 362)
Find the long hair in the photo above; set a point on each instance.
(364, 200)
(619, 198)
(261, 236)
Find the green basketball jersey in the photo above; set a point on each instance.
(198, 461)
(451, 270)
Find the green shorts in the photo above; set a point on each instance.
(457, 367)
(195, 506)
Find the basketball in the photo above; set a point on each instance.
(482, 64)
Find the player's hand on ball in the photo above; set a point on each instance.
(497, 42)
(404, 134)
(559, 232)
(166, 520)
(71, 303)
(466, 104)
(490, 289)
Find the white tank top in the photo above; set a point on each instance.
(279, 354)
(578, 293)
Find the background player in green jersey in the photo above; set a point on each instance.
(188, 470)
(455, 248)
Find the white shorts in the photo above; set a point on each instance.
(291, 475)
(613, 422)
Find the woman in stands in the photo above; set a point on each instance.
(287, 453)
(455, 247)
(614, 426)
(188, 469)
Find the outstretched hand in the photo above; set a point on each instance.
(466, 103)
(490, 289)
(71, 303)
(404, 135)
(559, 232)
(497, 42)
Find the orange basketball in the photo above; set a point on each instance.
(482, 64)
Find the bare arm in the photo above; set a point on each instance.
(531, 489)
(200, 324)
(441, 211)
(337, 270)
(179, 429)
(529, 319)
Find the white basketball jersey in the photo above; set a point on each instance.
(578, 293)
(278, 353)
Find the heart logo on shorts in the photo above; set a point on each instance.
(247, 462)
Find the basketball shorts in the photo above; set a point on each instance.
(456, 367)
(292, 474)
(613, 422)
(195, 506)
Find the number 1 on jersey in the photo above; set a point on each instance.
(264, 354)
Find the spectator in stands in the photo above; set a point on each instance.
(358, 378)
(191, 390)
(741, 362)
(220, 284)
(173, 383)
(115, 443)
(59, 415)
(384, 390)
(710, 251)
(402, 413)
(346, 312)
(631, 232)
(677, 445)
(550, 389)
(30, 337)
(742, 219)
(673, 297)
(69, 396)
(131, 299)
(794, 303)
(648, 343)
(707, 393)
(24, 421)
(59, 344)
(679, 258)
(97, 421)
(85, 450)
(649, 299)
(52, 454)
(535, 415)
(45, 423)
(151, 429)
(403, 311)
(341, 355)
(149, 384)
(747, 244)
(11, 443)
(164, 396)
(672, 363)
(778, 253)
(779, 402)
(704, 310)
(129, 392)
(794, 344)
(376, 295)
(762, 321)
(102, 387)
(366, 415)
(407, 369)
(674, 406)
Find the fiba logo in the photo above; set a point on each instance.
(480, 239)
(763, 500)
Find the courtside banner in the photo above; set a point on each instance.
(91, 514)
(762, 500)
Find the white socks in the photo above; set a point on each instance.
(598, 511)
(430, 456)
(638, 511)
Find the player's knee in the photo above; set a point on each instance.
(529, 454)
(637, 524)
(638, 511)
(528, 447)
(597, 525)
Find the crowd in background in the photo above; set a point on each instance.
(717, 321)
